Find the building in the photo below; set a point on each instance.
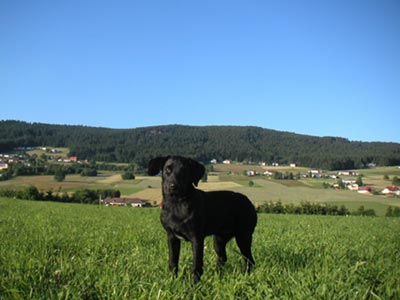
(391, 190)
(126, 201)
(365, 190)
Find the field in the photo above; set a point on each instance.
(71, 251)
(230, 177)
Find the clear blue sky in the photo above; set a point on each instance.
(325, 68)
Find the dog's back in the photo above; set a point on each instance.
(228, 212)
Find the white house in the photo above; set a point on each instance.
(347, 173)
(126, 201)
(391, 190)
(365, 190)
(348, 181)
(250, 173)
(352, 187)
(269, 173)
(315, 171)
(226, 162)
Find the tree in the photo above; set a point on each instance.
(129, 172)
(128, 175)
(341, 184)
(395, 180)
(90, 170)
(31, 193)
(59, 175)
(359, 181)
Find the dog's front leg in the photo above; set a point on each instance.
(174, 246)
(198, 253)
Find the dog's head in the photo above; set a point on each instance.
(178, 173)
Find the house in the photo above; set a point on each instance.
(293, 165)
(126, 201)
(365, 190)
(226, 162)
(391, 190)
(348, 181)
(262, 163)
(269, 173)
(250, 173)
(3, 166)
(353, 187)
(315, 173)
(73, 158)
(213, 161)
(275, 164)
(347, 173)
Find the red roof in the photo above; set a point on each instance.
(392, 188)
(365, 188)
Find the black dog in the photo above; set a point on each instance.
(191, 214)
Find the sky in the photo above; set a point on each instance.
(323, 68)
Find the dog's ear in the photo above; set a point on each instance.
(197, 171)
(156, 165)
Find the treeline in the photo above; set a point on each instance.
(243, 144)
(84, 196)
(307, 208)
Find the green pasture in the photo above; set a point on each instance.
(72, 251)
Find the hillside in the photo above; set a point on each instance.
(200, 142)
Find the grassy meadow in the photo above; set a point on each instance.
(71, 251)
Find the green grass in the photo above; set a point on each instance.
(66, 251)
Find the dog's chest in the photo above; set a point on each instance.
(178, 220)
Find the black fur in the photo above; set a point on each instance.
(191, 214)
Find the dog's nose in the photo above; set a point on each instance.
(172, 186)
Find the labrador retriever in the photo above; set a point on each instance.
(191, 214)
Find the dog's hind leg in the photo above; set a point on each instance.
(220, 248)
(243, 241)
(174, 246)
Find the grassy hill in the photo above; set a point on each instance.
(67, 251)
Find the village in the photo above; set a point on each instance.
(344, 179)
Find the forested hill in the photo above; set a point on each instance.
(200, 142)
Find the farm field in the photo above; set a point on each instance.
(226, 177)
(71, 251)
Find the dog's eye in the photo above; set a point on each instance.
(168, 170)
